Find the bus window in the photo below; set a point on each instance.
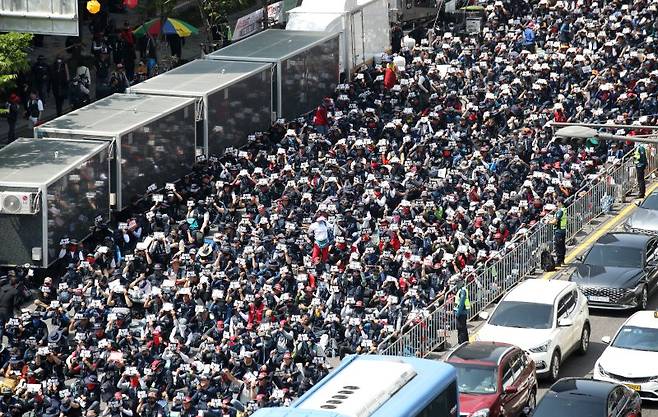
(443, 405)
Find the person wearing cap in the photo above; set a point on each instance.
(150, 406)
(322, 232)
(462, 305)
(640, 157)
(119, 80)
(559, 222)
(320, 118)
(34, 109)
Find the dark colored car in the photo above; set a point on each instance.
(494, 379)
(619, 271)
(645, 217)
(580, 397)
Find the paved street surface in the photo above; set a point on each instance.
(604, 323)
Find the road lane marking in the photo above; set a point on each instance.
(580, 247)
(600, 231)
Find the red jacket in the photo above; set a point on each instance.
(320, 118)
(389, 78)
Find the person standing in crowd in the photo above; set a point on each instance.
(119, 81)
(559, 222)
(390, 76)
(34, 109)
(59, 82)
(41, 76)
(127, 50)
(320, 119)
(322, 233)
(8, 296)
(396, 38)
(12, 117)
(148, 52)
(529, 37)
(461, 308)
(640, 156)
(103, 72)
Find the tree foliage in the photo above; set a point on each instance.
(216, 11)
(14, 48)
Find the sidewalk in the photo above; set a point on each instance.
(583, 240)
(55, 45)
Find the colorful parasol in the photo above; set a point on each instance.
(171, 26)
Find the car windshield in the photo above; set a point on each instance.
(637, 338)
(523, 315)
(608, 255)
(651, 202)
(570, 405)
(476, 379)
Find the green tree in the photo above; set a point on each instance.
(13, 58)
(215, 12)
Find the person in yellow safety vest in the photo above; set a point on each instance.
(559, 223)
(461, 308)
(640, 156)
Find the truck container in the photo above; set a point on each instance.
(363, 25)
(153, 139)
(305, 63)
(236, 97)
(50, 190)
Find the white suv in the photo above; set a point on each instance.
(547, 319)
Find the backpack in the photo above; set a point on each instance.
(547, 261)
(193, 224)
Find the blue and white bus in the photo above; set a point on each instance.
(379, 386)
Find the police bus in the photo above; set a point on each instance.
(379, 386)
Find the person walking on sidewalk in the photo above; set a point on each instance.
(461, 309)
(640, 156)
(12, 117)
(34, 109)
(559, 223)
(59, 83)
(41, 76)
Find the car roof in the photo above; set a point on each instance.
(645, 318)
(539, 291)
(486, 353)
(582, 387)
(628, 240)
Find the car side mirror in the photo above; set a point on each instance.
(484, 315)
(637, 202)
(511, 390)
(565, 322)
(606, 340)
(580, 259)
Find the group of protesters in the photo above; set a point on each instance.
(116, 59)
(235, 288)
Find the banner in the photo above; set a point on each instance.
(253, 22)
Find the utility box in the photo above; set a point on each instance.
(153, 138)
(236, 97)
(306, 66)
(50, 189)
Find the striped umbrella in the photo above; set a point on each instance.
(170, 26)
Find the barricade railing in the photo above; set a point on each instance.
(521, 258)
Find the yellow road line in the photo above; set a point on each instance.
(600, 231)
(579, 248)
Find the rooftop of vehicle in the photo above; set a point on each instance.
(538, 291)
(479, 352)
(627, 240)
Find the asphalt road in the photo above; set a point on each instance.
(604, 323)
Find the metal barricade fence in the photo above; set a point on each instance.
(521, 258)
